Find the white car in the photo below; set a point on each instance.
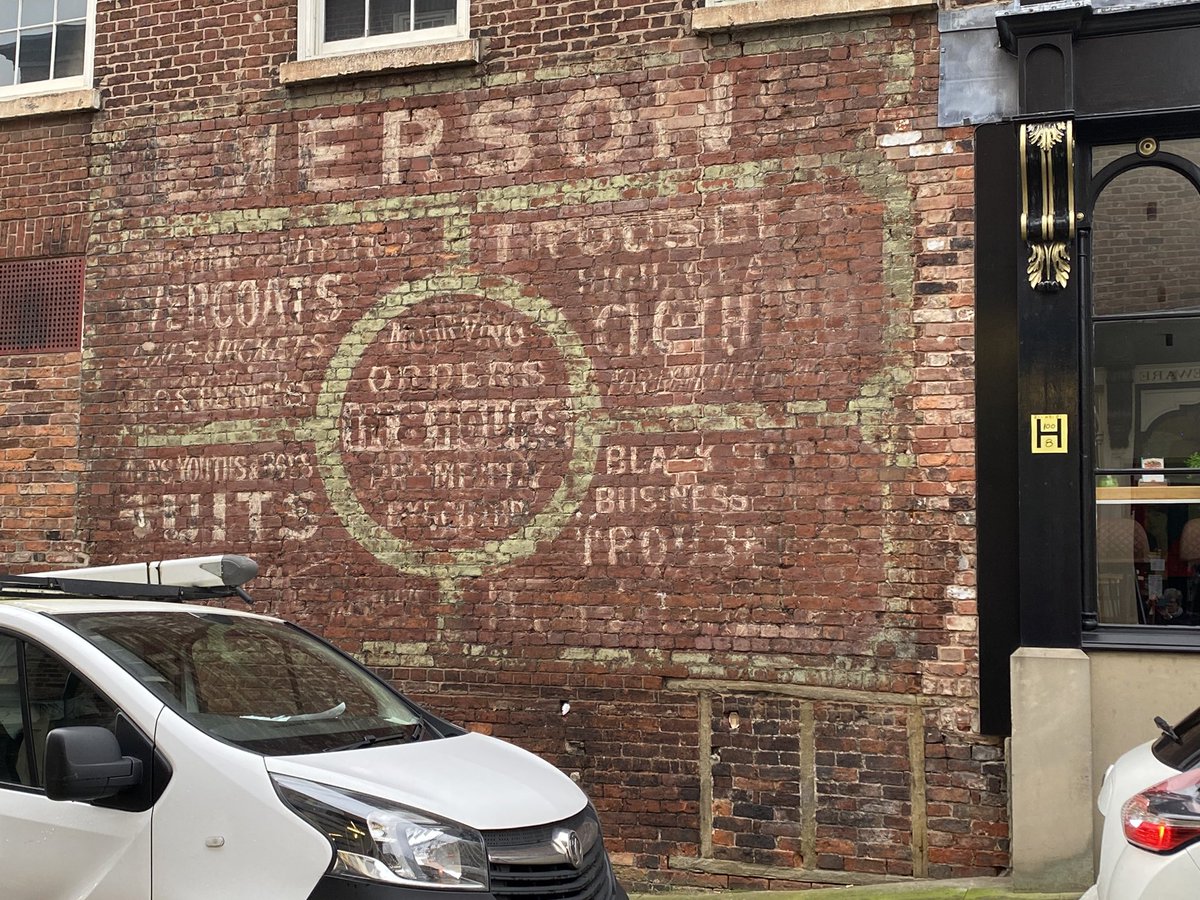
(155, 750)
(1150, 800)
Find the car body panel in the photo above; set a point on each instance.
(221, 794)
(1139, 875)
(1127, 872)
(471, 779)
(109, 849)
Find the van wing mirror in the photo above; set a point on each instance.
(84, 762)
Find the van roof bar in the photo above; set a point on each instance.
(40, 587)
(188, 578)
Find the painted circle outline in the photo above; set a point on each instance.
(583, 399)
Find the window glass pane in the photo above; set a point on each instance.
(8, 58)
(72, 9)
(12, 727)
(345, 19)
(57, 698)
(1147, 416)
(261, 685)
(1121, 548)
(1188, 148)
(36, 12)
(35, 55)
(436, 13)
(1146, 391)
(68, 50)
(1146, 244)
(1147, 555)
(1102, 156)
(390, 16)
(8, 16)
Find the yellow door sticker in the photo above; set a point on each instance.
(1049, 433)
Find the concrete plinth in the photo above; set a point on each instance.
(1051, 770)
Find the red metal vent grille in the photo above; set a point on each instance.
(41, 305)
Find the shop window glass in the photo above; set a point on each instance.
(1188, 148)
(1146, 244)
(1102, 156)
(1146, 398)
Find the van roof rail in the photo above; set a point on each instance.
(188, 578)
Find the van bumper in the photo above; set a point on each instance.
(331, 888)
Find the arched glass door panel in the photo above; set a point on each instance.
(1145, 355)
(1146, 244)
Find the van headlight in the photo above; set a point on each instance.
(378, 840)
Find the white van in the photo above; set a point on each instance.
(155, 748)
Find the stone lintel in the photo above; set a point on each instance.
(395, 59)
(751, 13)
(49, 104)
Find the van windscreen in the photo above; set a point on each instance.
(260, 684)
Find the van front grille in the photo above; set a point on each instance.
(543, 877)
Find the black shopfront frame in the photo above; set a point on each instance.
(1117, 76)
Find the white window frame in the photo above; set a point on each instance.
(312, 27)
(83, 81)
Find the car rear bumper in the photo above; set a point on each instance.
(1139, 875)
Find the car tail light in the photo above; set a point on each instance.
(1165, 817)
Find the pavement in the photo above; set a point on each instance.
(954, 889)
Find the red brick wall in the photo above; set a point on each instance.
(43, 214)
(39, 458)
(630, 368)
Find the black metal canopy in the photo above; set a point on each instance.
(1083, 60)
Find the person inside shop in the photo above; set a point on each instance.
(1168, 609)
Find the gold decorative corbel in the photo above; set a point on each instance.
(1048, 202)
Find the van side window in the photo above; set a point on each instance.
(55, 696)
(58, 697)
(12, 726)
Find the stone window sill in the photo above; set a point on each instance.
(371, 62)
(753, 13)
(49, 104)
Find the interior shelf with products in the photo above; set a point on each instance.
(1150, 493)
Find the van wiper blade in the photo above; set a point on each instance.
(412, 733)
